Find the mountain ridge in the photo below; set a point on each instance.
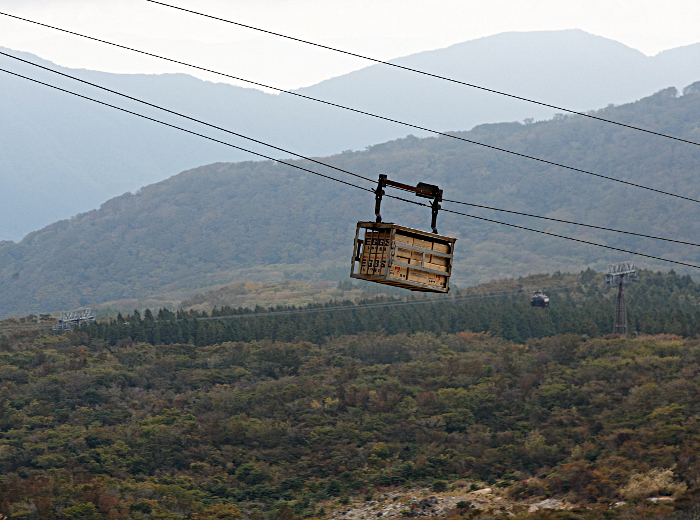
(264, 221)
(72, 156)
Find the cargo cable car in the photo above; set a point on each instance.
(390, 254)
(539, 299)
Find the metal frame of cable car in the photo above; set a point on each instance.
(401, 256)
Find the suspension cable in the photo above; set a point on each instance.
(424, 73)
(332, 178)
(444, 134)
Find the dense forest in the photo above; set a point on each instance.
(265, 221)
(580, 304)
(96, 427)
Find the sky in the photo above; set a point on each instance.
(380, 28)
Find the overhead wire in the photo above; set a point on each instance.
(571, 238)
(418, 127)
(424, 73)
(184, 116)
(551, 219)
(321, 162)
(184, 130)
(470, 296)
(547, 233)
(326, 176)
(422, 301)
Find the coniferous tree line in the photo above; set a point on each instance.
(660, 303)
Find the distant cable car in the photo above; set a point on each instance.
(539, 299)
(404, 257)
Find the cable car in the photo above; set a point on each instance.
(404, 257)
(539, 299)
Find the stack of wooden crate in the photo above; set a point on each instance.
(402, 256)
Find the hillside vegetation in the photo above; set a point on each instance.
(289, 293)
(264, 221)
(246, 294)
(276, 429)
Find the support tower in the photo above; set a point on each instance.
(621, 274)
(620, 324)
(71, 319)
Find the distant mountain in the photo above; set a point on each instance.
(265, 221)
(62, 155)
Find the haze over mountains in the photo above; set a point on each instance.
(265, 221)
(63, 155)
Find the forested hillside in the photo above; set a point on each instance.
(268, 222)
(277, 429)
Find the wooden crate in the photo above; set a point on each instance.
(404, 257)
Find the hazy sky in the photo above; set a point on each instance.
(383, 28)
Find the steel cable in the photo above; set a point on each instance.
(326, 164)
(326, 176)
(424, 73)
(547, 233)
(185, 130)
(183, 115)
(444, 134)
(422, 301)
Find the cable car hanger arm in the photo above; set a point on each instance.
(428, 191)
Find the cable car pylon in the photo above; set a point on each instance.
(620, 323)
(621, 274)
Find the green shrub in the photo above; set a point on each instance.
(439, 486)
